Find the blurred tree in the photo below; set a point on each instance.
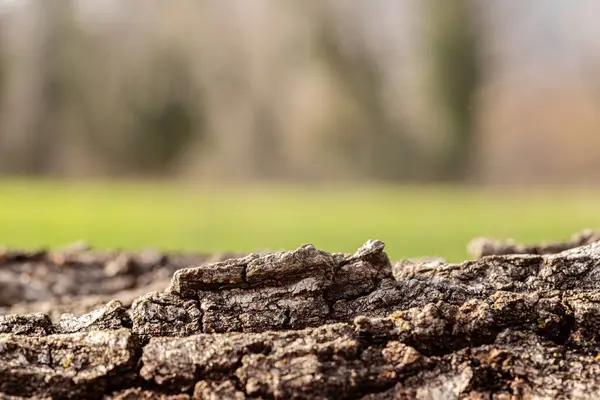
(56, 79)
(266, 149)
(123, 96)
(376, 146)
(138, 119)
(161, 135)
(165, 123)
(455, 79)
(80, 120)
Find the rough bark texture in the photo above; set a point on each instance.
(481, 247)
(309, 324)
(78, 280)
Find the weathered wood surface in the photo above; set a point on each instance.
(307, 324)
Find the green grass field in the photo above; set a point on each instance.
(412, 221)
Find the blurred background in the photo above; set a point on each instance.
(233, 125)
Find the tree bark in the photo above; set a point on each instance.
(309, 324)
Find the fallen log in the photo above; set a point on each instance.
(309, 324)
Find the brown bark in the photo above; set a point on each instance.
(309, 324)
(481, 247)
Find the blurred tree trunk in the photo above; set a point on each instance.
(57, 83)
(455, 77)
(375, 145)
